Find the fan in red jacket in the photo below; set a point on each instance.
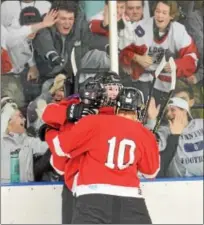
(112, 149)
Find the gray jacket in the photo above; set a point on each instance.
(28, 147)
(80, 40)
(188, 159)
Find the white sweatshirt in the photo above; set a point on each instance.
(19, 49)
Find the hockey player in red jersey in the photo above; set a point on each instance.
(102, 93)
(113, 150)
(96, 96)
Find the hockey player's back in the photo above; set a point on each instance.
(116, 149)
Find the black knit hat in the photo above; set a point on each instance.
(29, 15)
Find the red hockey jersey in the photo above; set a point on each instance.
(114, 150)
(61, 163)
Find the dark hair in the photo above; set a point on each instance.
(185, 88)
(69, 6)
(143, 3)
(106, 1)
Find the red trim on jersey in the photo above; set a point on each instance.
(95, 27)
(162, 40)
(126, 59)
(186, 64)
(6, 65)
(128, 53)
(164, 78)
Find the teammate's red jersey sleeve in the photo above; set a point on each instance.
(55, 113)
(149, 160)
(75, 141)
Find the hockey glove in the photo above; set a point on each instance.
(55, 59)
(77, 111)
(42, 131)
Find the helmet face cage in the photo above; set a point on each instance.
(131, 99)
(91, 94)
(112, 87)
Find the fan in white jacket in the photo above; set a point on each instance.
(10, 10)
(153, 38)
(19, 41)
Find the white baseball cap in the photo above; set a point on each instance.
(180, 103)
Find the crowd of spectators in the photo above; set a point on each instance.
(44, 46)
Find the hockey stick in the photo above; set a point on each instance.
(157, 72)
(172, 88)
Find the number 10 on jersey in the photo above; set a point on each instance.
(121, 153)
